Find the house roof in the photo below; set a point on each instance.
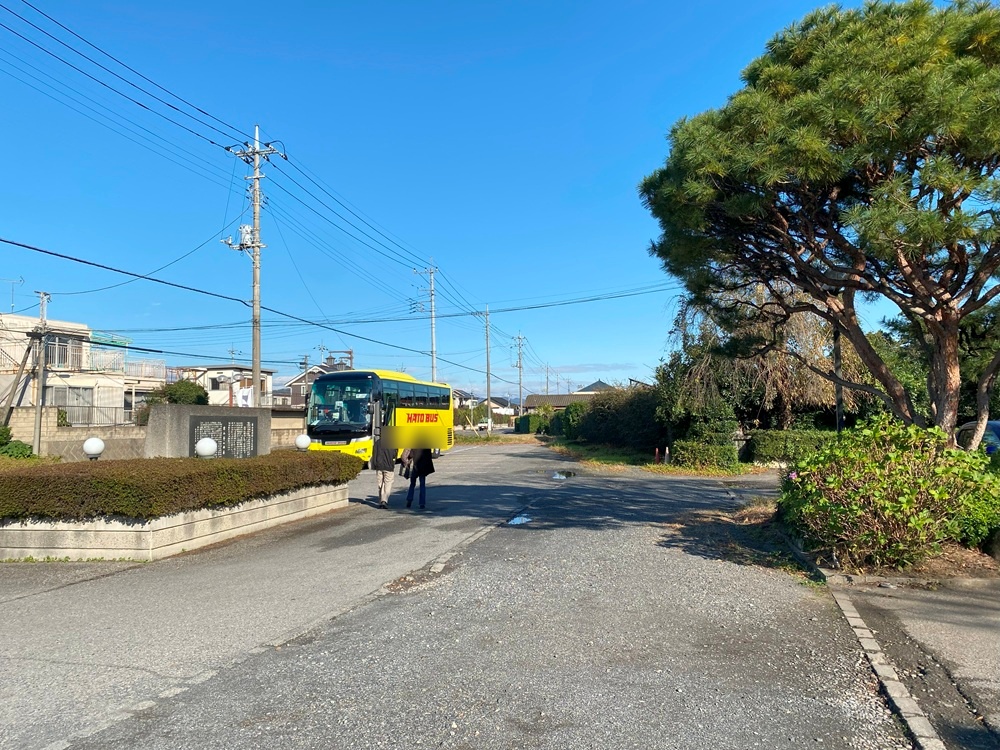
(597, 385)
(556, 401)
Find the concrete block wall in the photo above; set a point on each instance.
(130, 441)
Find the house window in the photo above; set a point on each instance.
(69, 395)
(303, 389)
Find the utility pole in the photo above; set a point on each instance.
(305, 379)
(41, 341)
(546, 380)
(520, 375)
(250, 242)
(489, 408)
(430, 288)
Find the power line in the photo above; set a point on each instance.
(224, 297)
(109, 71)
(136, 72)
(112, 88)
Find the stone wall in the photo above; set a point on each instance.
(170, 425)
(170, 436)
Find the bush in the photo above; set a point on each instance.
(771, 446)
(4, 435)
(530, 424)
(150, 488)
(556, 424)
(887, 495)
(572, 417)
(15, 449)
(697, 454)
(181, 392)
(622, 417)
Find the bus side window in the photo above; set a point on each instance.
(420, 396)
(434, 397)
(445, 401)
(390, 399)
(406, 395)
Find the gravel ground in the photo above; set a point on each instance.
(592, 625)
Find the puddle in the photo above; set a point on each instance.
(563, 474)
(518, 520)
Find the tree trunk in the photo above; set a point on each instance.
(946, 375)
(899, 399)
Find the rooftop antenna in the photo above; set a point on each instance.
(13, 282)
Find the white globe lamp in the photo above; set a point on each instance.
(302, 442)
(93, 448)
(206, 448)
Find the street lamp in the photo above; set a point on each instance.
(93, 448)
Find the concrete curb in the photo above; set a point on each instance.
(900, 700)
(904, 704)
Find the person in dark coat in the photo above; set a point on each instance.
(384, 462)
(421, 464)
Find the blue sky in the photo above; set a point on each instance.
(501, 143)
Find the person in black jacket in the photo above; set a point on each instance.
(421, 464)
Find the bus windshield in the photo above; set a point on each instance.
(341, 405)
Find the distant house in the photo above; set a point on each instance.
(89, 375)
(229, 384)
(299, 386)
(560, 401)
(463, 399)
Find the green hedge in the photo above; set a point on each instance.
(150, 488)
(530, 424)
(887, 495)
(696, 454)
(769, 446)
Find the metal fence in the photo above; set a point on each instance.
(95, 416)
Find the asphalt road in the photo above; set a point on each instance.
(588, 622)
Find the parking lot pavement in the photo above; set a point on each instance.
(535, 605)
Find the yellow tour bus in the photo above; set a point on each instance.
(347, 410)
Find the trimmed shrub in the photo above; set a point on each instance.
(531, 424)
(887, 495)
(4, 435)
(556, 424)
(622, 417)
(572, 417)
(697, 454)
(150, 488)
(771, 446)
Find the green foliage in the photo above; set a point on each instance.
(150, 488)
(572, 418)
(556, 424)
(770, 446)
(15, 449)
(863, 139)
(62, 418)
(699, 455)
(887, 495)
(4, 435)
(531, 424)
(181, 392)
(624, 417)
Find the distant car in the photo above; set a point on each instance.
(991, 438)
(484, 425)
